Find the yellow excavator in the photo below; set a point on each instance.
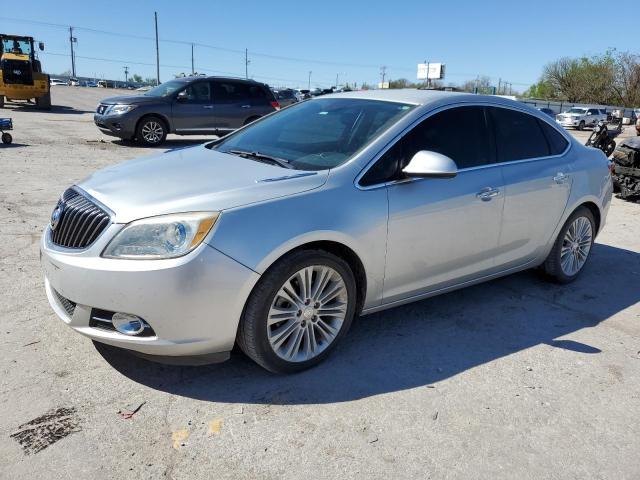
(21, 76)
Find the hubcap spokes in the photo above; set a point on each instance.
(152, 132)
(576, 246)
(307, 313)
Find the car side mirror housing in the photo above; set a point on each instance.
(182, 97)
(427, 164)
(41, 45)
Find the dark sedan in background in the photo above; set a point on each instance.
(185, 106)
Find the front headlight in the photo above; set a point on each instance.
(120, 109)
(165, 236)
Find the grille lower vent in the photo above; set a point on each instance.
(65, 303)
(80, 221)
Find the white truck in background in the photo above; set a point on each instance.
(581, 117)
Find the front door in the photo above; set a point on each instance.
(193, 109)
(444, 231)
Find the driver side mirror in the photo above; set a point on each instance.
(427, 164)
(182, 97)
(41, 45)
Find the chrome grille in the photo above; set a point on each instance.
(80, 221)
(65, 303)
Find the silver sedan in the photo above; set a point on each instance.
(275, 237)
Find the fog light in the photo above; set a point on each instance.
(128, 324)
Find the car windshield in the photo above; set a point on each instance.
(577, 110)
(316, 135)
(19, 47)
(165, 89)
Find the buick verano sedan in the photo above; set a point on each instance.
(275, 237)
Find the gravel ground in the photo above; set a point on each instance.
(516, 378)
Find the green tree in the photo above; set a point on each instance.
(136, 78)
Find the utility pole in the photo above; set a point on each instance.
(383, 72)
(155, 16)
(246, 63)
(72, 40)
(126, 74)
(499, 83)
(193, 70)
(337, 74)
(309, 86)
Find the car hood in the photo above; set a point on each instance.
(192, 179)
(131, 100)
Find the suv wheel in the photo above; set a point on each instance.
(298, 311)
(151, 131)
(571, 250)
(581, 125)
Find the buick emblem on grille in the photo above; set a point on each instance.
(55, 216)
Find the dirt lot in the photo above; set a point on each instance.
(516, 378)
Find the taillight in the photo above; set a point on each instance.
(275, 105)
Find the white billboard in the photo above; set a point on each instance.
(431, 71)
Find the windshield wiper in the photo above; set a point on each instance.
(261, 157)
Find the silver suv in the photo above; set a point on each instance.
(277, 235)
(185, 106)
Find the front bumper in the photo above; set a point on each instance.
(569, 123)
(192, 303)
(121, 126)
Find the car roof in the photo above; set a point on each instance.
(235, 79)
(427, 97)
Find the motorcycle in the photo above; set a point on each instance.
(603, 137)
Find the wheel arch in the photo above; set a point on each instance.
(337, 248)
(162, 117)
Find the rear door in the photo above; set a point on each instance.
(194, 112)
(232, 103)
(537, 179)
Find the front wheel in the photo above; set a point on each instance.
(151, 131)
(571, 249)
(298, 311)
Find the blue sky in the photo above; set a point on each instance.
(502, 39)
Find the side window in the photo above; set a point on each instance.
(198, 92)
(518, 135)
(557, 143)
(438, 133)
(594, 111)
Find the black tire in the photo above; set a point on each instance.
(7, 138)
(44, 102)
(552, 265)
(151, 124)
(2, 102)
(609, 149)
(252, 335)
(251, 120)
(581, 125)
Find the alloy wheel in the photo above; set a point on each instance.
(307, 313)
(152, 132)
(576, 246)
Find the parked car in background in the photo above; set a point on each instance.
(56, 81)
(547, 111)
(185, 106)
(90, 83)
(73, 82)
(275, 237)
(285, 97)
(581, 117)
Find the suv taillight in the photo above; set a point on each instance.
(275, 105)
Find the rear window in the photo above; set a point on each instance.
(518, 135)
(557, 143)
(235, 92)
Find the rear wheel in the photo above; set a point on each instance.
(151, 131)
(7, 138)
(581, 125)
(571, 250)
(44, 102)
(298, 311)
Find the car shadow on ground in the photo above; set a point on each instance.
(12, 145)
(168, 145)
(421, 343)
(61, 109)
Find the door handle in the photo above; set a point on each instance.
(560, 178)
(487, 193)
(245, 106)
(207, 106)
